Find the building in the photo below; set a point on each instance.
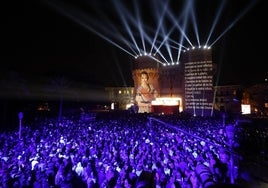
(175, 85)
(120, 97)
(198, 81)
(228, 98)
(188, 86)
(257, 97)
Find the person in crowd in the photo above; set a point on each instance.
(114, 153)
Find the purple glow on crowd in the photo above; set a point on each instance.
(125, 150)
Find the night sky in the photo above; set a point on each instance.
(40, 40)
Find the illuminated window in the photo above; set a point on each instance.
(119, 91)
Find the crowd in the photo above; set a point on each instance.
(133, 150)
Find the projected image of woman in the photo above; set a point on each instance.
(146, 92)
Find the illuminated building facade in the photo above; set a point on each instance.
(228, 98)
(178, 86)
(166, 80)
(120, 97)
(198, 81)
(146, 82)
(257, 97)
(187, 86)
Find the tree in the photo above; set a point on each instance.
(59, 86)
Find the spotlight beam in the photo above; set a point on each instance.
(161, 17)
(235, 20)
(193, 16)
(110, 29)
(140, 28)
(69, 14)
(215, 21)
(184, 26)
(120, 8)
(174, 20)
(138, 34)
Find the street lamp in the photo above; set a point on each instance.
(20, 115)
(230, 131)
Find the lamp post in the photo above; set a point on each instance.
(223, 119)
(20, 115)
(230, 130)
